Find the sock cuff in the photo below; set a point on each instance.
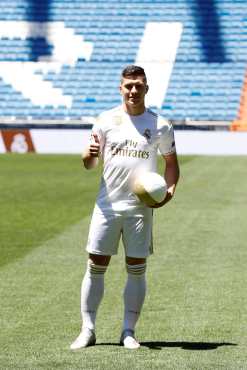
(136, 270)
(94, 269)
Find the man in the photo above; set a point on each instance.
(127, 138)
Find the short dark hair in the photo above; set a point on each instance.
(133, 70)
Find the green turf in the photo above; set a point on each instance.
(40, 196)
(195, 314)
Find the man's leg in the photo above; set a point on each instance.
(92, 291)
(134, 295)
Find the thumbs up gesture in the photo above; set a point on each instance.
(94, 148)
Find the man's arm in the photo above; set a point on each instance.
(90, 156)
(171, 176)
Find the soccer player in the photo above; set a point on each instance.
(127, 138)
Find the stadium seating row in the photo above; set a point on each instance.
(70, 54)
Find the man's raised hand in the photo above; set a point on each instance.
(94, 148)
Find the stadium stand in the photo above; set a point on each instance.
(62, 59)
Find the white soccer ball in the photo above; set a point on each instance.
(150, 188)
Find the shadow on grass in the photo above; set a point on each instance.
(192, 346)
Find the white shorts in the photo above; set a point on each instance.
(106, 229)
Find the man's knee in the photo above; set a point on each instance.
(99, 260)
(135, 261)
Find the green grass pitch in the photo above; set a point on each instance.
(195, 313)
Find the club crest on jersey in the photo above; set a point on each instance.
(117, 120)
(147, 134)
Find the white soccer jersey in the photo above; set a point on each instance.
(129, 144)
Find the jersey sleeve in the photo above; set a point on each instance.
(167, 139)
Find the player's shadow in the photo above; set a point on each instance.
(191, 346)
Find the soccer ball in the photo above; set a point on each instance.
(150, 188)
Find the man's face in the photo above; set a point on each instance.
(133, 90)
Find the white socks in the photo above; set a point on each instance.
(92, 291)
(134, 295)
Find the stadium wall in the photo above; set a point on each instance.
(61, 61)
(73, 140)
